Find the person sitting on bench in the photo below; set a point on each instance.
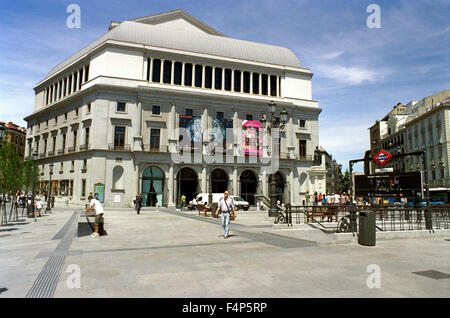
(95, 205)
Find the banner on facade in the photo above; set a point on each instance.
(408, 184)
(252, 138)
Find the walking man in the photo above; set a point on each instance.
(95, 205)
(226, 208)
(139, 202)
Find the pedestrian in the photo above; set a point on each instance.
(95, 205)
(38, 207)
(138, 203)
(315, 198)
(183, 202)
(226, 209)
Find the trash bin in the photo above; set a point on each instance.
(367, 228)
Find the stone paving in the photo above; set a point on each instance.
(168, 253)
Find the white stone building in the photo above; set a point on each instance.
(109, 117)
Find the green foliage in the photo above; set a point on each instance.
(345, 181)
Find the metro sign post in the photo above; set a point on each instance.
(382, 157)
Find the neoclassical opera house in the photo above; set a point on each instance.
(128, 113)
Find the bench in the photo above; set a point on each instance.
(86, 225)
(204, 208)
(322, 211)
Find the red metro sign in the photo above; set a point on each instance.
(382, 157)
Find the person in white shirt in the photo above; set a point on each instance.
(95, 205)
(38, 207)
(225, 207)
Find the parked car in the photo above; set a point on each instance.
(240, 203)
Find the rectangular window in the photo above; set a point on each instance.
(76, 112)
(177, 73)
(208, 77)
(219, 115)
(88, 108)
(72, 165)
(249, 117)
(264, 84)
(75, 78)
(167, 75)
(156, 71)
(188, 112)
(228, 79)
(83, 188)
(154, 138)
(246, 82)
(255, 83)
(218, 78)
(80, 72)
(156, 110)
(237, 81)
(65, 116)
(75, 136)
(273, 85)
(86, 73)
(87, 136)
(121, 106)
(54, 144)
(45, 145)
(188, 74)
(198, 75)
(302, 148)
(56, 120)
(70, 85)
(63, 142)
(119, 138)
(148, 68)
(302, 123)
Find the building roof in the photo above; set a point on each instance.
(197, 42)
(13, 126)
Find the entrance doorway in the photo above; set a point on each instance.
(187, 183)
(279, 186)
(219, 180)
(152, 186)
(249, 183)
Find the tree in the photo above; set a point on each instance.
(15, 175)
(345, 181)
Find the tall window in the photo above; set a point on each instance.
(188, 74)
(156, 110)
(302, 148)
(119, 137)
(208, 77)
(249, 117)
(264, 84)
(83, 188)
(121, 106)
(87, 136)
(63, 142)
(255, 83)
(188, 112)
(167, 75)
(177, 73)
(86, 73)
(273, 85)
(237, 81)
(75, 135)
(246, 82)
(302, 123)
(154, 138)
(156, 70)
(218, 78)
(54, 144)
(198, 75)
(219, 115)
(228, 79)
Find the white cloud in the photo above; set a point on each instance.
(332, 55)
(352, 75)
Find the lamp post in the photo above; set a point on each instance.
(31, 208)
(48, 208)
(268, 124)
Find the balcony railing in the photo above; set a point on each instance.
(42, 155)
(71, 149)
(84, 147)
(51, 153)
(161, 148)
(61, 151)
(126, 147)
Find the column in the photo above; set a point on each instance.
(278, 86)
(205, 126)
(172, 130)
(291, 183)
(73, 82)
(268, 85)
(183, 73)
(78, 80)
(242, 82)
(237, 135)
(150, 78)
(171, 202)
(251, 82)
(193, 75)
(260, 84)
(235, 181)
(290, 138)
(203, 76)
(232, 80)
(161, 73)
(172, 68)
(223, 79)
(204, 180)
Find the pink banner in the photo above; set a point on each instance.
(252, 137)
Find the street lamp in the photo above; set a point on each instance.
(48, 209)
(268, 125)
(31, 208)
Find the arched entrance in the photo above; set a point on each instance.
(249, 184)
(219, 179)
(187, 183)
(153, 186)
(279, 186)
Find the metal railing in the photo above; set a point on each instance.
(125, 147)
(335, 218)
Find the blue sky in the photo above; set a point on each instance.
(359, 73)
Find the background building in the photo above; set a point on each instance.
(417, 126)
(111, 117)
(14, 134)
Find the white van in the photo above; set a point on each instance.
(202, 198)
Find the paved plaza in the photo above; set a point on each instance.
(168, 253)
